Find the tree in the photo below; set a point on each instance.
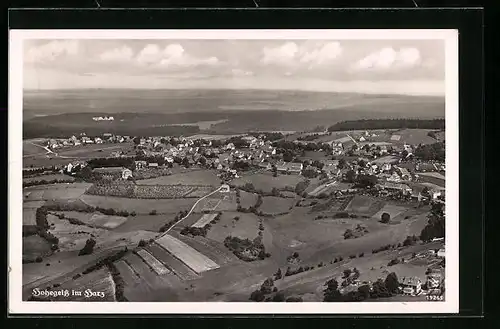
(350, 176)
(153, 212)
(392, 283)
(278, 275)
(203, 161)
(142, 243)
(379, 290)
(295, 255)
(88, 248)
(356, 274)
(279, 297)
(137, 140)
(275, 171)
(364, 292)
(331, 293)
(257, 296)
(342, 164)
(361, 162)
(385, 218)
(366, 181)
(267, 286)
(348, 234)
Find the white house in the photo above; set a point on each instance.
(225, 188)
(411, 285)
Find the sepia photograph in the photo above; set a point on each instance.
(198, 171)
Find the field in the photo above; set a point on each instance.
(275, 205)
(154, 263)
(360, 203)
(130, 190)
(210, 248)
(29, 216)
(195, 177)
(217, 202)
(48, 178)
(175, 265)
(97, 281)
(246, 227)
(96, 219)
(189, 256)
(140, 206)
(247, 199)
(413, 136)
(150, 223)
(328, 188)
(29, 149)
(34, 246)
(55, 191)
(392, 210)
(204, 220)
(266, 181)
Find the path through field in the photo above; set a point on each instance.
(190, 211)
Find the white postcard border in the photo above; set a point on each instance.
(17, 306)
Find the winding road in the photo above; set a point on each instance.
(189, 213)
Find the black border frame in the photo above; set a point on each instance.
(469, 23)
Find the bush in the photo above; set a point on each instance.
(142, 243)
(346, 273)
(385, 218)
(153, 212)
(275, 289)
(38, 259)
(88, 248)
(133, 214)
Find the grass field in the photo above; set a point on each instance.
(210, 248)
(392, 210)
(140, 206)
(150, 223)
(360, 203)
(189, 256)
(275, 205)
(246, 227)
(55, 191)
(97, 281)
(154, 263)
(96, 219)
(30, 149)
(414, 136)
(247, 199)
(34, 246)
(29, 216)
(195, 177)
(266, 181)
(204, 220)
(175, 265)
(48, 178)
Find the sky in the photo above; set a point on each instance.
(414, 67)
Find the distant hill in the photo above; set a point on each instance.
(238, 111)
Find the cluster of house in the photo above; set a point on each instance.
(410, 285)
(83, 139)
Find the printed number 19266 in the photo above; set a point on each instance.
(435, 298)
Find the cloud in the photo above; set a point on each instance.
(171, 55)
(388, 58)
(241, 73)
(121, 54)
(283, 54)
(322, 55)
(51, 51)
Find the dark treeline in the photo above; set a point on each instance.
(388, 124)
(41, 130)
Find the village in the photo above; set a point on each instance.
(365, 177)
